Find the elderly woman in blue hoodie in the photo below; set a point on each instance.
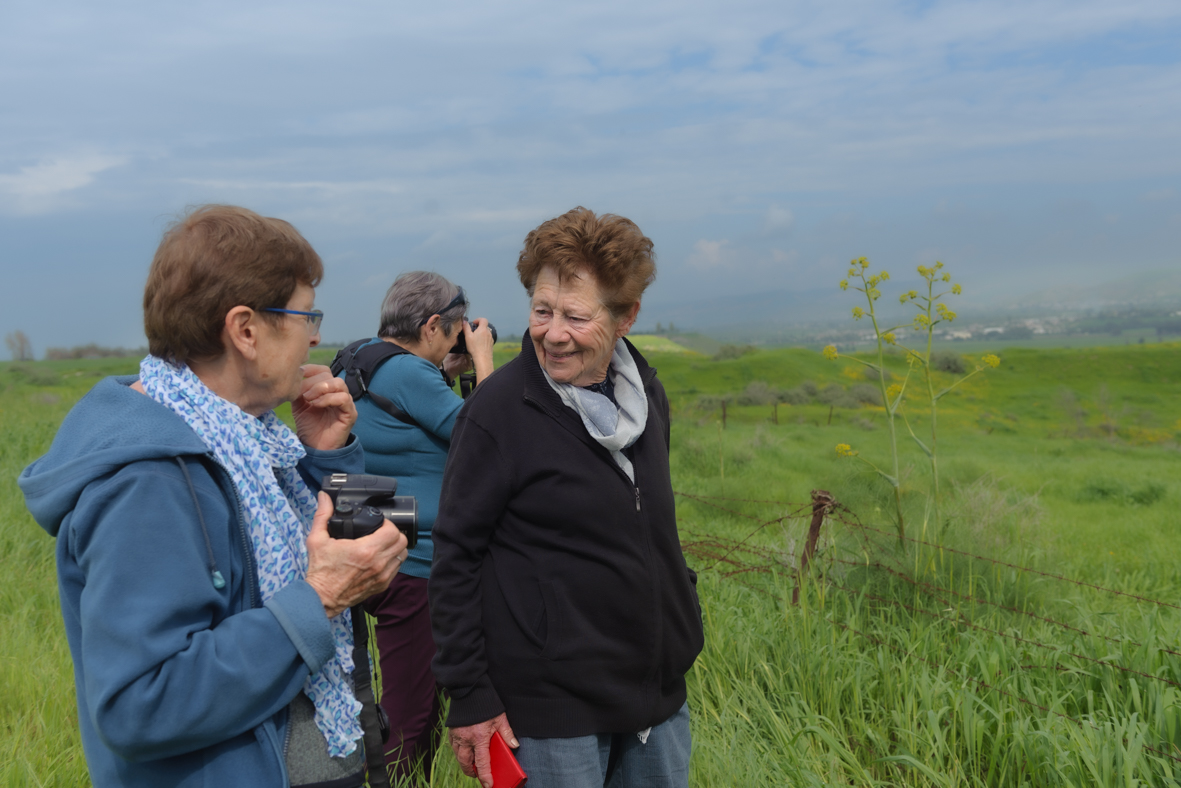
(205, 605)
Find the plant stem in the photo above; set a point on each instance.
(881, 370)
(934, 407)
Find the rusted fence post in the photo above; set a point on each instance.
(822, 501)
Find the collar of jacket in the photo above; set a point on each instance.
(538, 391)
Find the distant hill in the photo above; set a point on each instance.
(785, 316)
(653, 343)
(1149, 288)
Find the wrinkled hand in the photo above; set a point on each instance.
(470, 744)
(455, 363)
(324, 411)
(344, 572)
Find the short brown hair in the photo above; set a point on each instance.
(212, 259)
(610, 248)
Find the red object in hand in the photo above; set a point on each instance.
(506, 772)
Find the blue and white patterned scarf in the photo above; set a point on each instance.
(260, 455)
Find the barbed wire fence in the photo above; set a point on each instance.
(737, 560)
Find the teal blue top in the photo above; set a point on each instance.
(415, 456)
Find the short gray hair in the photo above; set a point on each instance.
(412, 299)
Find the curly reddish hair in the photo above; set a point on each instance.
(610, 248)
(212, 259)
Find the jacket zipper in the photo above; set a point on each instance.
(636, 489)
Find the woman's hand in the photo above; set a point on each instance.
(470, 744)
(478, 337)
(324, 412)
(455, 363)
(344, 572)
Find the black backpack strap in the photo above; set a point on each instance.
(359, 361)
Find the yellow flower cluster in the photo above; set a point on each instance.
(992, 360)
(845, 450)
(944, 312)
(956, 289)
(889, 338)
(830, 352)
(893, 392)
(858, 312)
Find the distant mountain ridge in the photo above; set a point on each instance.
(1146, 288)
(783, 309)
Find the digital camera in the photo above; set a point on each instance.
(461, 341)
(362, 501)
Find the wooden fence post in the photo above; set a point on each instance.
(822, 501)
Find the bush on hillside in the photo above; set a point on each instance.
(797, 396)
(834, 394)
(866, 394)
(757, 392)
(947, 361)
(727, 352)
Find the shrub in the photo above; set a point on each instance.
(833, 394)
(796, 396)
(866, 394)
(947, 361)
(757, 392)
(727, 352)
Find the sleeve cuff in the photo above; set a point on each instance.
(475, 705)
(300, 612)
(350, 446)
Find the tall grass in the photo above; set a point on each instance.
(850, 687)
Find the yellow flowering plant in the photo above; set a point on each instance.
(860, 279)
(930, 312)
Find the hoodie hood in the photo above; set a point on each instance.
(111, 426)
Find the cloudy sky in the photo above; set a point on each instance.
(760, 144)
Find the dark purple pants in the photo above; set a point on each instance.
(408, 692)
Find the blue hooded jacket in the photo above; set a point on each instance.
(179, 683)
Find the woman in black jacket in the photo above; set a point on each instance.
(561, 604)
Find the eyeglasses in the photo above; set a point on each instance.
(315, 317)
(459, 300)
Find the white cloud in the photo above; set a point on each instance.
(711, 254)
(39, 188)
(778, 220)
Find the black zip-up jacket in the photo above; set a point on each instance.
(558, 592)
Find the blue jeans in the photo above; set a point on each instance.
(581, 762)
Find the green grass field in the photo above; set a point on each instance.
(1063, 460)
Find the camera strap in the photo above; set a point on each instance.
(375, 725)
(359, 361)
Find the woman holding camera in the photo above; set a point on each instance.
(564, 613)
(205, 605)
(424, 315)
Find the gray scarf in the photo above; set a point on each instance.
(614, 428)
